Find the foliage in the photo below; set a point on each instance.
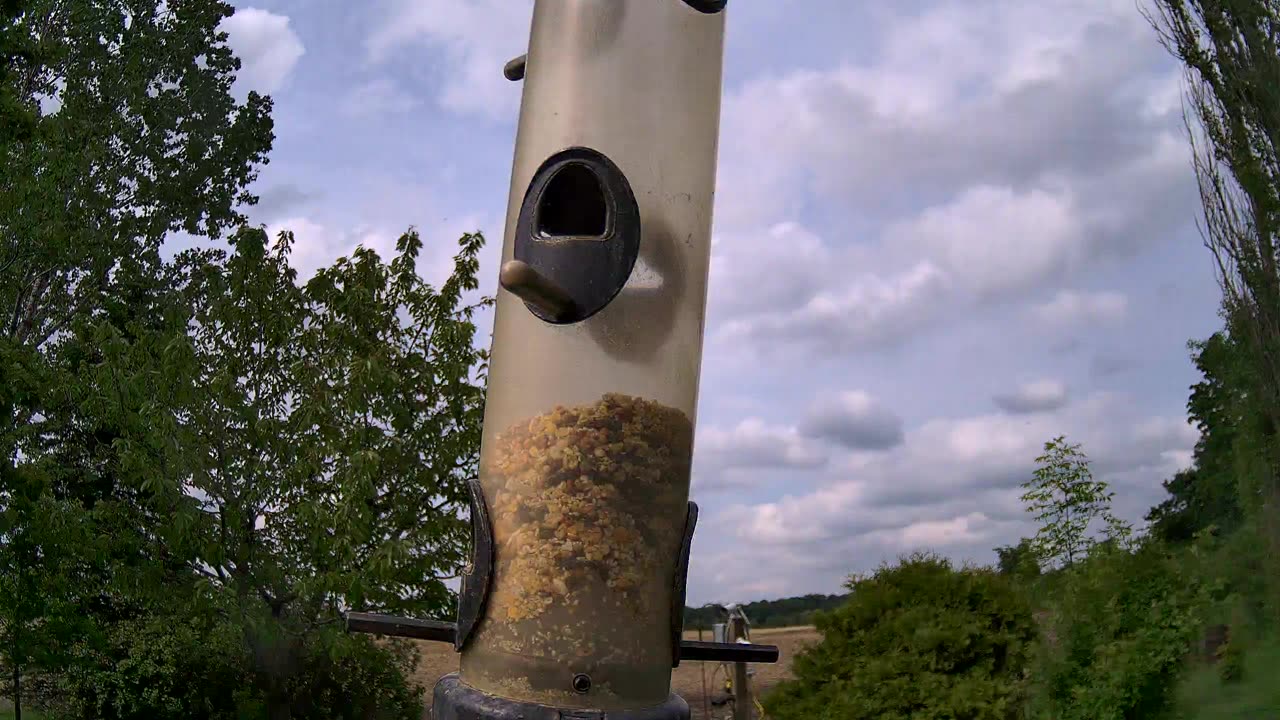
(252, 456)
(119, 128)
(1067, 501)
(1122, 624)
(163, 665)
(17, 52)
(145, 140)
(1232, 62)
(1231, 662)
(1256, 694)
(1019, 561)
(339, 423)
(1207, 494)
(315, 443)
(204, 462)
(178, 663)
(330, 432)
(919, 639)
(40, 619)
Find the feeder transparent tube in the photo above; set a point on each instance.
(588, 433)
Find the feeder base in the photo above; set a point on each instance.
(453, 700)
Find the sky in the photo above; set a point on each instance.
(945, 232)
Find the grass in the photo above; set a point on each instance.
(6, 711)
(1255, 697)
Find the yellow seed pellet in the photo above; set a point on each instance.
(588, 515)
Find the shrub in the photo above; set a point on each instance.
(1231, 662)
(363, 680)
(920, 639)
(1124, 623)
(158, 667)
(200, 667)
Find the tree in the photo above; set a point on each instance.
(145, 140)
(1207, 494)
(331, 432)
(1066, 501)
(118, 129)
(1118, 629)
(1019, 561)
(320, 439)
(16, 50)
(1232, 61)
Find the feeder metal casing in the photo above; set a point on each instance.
(597, 347)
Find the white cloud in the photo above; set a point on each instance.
(381, 96)
(740, 454)
(753, 272)
(940, 533)
(853, 420)
(1069, 308)
(947, 462)
(868, 312)
(978, 154)
(267, 47)
(994, 240)
(961, 93)
(1158, 429)
(478, 37)
(1033, 397)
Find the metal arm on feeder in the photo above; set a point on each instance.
(446, 632)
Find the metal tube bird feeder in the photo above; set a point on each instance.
(573, 603)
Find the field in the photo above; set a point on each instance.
(439, 659)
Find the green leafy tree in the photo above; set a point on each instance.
(118, 129)
(1207, 494)
(330, 434)
(1018, 561)
(319, 438)
(1067, 502)
(145, 140)
(919, 639)
(1232, 61)
(17, 50)
(1118, 631)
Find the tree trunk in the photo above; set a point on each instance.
(17, 693)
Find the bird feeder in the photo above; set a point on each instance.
(573, 602)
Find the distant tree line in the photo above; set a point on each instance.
(786, 612)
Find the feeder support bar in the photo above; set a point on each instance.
(440, 631)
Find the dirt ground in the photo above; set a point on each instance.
(438, 659)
